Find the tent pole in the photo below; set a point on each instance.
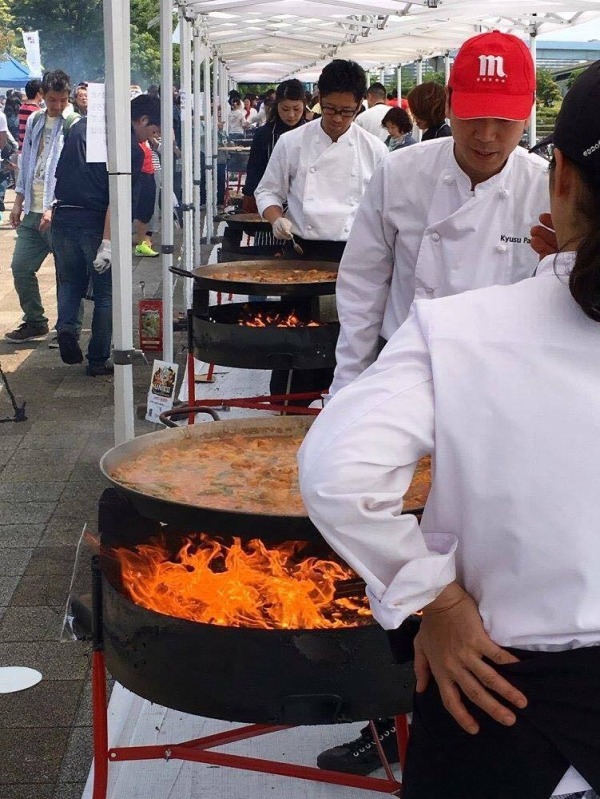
(224, 115)
(446, 67)
(419, 71)
(533, 31)
(167, 233)
(186, 151)
(197, 137)
(208, 150)
(118, 108)
(399, 83)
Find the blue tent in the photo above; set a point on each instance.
(13, 74)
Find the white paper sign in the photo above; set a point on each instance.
(162, 389)
(97, 151)
(31, 40)
(185, 104)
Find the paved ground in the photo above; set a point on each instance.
(49, 488)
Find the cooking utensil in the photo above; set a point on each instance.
(212, 277)
(297, 248)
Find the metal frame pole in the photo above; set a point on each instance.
(187, 184)
(532, 135)
(446, 67)
(224, 115)
(167, 226)
(197, 137)
(118, 108)
(399, 83)
(211, 176)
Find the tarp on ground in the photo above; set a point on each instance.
(13, 74)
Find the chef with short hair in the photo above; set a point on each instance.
(451, 214)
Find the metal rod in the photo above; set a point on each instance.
(382, 756)
(166, 156)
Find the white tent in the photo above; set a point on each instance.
(258, 41)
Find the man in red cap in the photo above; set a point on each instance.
(450, 215)
(446, 216)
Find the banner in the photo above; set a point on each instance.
(31, 40)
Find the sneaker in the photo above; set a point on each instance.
(145, 250)
(361, 756)
(26, 332)
(70, 351)
(99, 369)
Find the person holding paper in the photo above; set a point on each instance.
(81, 235)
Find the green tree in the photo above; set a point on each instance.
(71, 34)
(547, 90)
(573, 77)
(11, 42)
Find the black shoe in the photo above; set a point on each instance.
(26, 332)
(361, 756)
(99, 369)
(70, 351)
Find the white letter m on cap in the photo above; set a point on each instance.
(491, 66)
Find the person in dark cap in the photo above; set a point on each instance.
(501, 387)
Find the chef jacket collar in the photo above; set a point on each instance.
(500, 182)
(560, 263)
(349, 134)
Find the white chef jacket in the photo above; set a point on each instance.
(321, 180)
(501, 386)
(421, 232)
(370, 120)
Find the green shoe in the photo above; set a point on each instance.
(145, 250)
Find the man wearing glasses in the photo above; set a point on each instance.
(322, 169)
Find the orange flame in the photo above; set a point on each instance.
(274, 319)
(242, 585)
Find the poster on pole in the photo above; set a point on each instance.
(31, 40)
(97, 151)
(162, 389)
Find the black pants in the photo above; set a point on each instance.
(559, 727)
(307, 380)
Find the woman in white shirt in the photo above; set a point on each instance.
(236, 119)
(501, 386)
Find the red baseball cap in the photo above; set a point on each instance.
(493, 76)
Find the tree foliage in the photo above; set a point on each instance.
(547, 90)
(72, 36)
(573, 76)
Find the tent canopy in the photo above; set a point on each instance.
(13, 74)
(268, 41)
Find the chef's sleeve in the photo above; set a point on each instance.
(355, 466)
(274, 185)
(363, 283)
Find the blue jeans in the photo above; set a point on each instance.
(75, 248)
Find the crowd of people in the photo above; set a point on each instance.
(456, 341)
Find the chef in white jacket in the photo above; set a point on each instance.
(501, 386)
(322, 169)
(450, 215)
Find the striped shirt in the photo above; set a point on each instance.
(25, 112)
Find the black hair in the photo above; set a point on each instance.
(399, 117)
(377, 90)
(584, 278)
(343, 76)
(56, 81)
(144, 105)
(33, 88)
(427, 101)
(288, 90)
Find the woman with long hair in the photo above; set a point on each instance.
(501, 387)
(286, 113)
(427, 104)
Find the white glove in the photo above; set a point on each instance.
(103, 259)
(282, 228)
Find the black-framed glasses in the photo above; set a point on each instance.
(346, 113)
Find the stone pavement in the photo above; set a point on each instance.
(49, 488)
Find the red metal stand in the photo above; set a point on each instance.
(198, 750)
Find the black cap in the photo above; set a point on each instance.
(577, 128)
